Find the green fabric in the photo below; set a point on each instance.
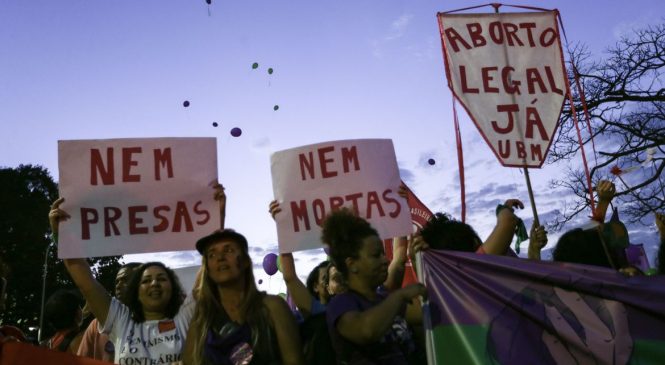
(647, 352)
(457, 344)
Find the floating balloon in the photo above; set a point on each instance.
(260, 281)
(270, 264)
(236, 132)
(185, 103)
(209, 2)
(270, 71)
(275, 108)
(214, 124)
(255, 65)
(431, 161)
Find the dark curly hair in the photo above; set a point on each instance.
(131, 294)
(580, 246)
(344, 232)
(313, 278)
(442, 232)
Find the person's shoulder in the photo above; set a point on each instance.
(274, 302)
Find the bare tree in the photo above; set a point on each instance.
(625, 99)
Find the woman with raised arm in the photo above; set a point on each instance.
(234, 323)
(152, 326)
(367, 325)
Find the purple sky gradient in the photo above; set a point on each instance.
(82, 69)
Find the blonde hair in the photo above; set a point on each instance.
(209, 308)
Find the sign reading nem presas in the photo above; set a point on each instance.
(311, 181)
(507, 71)
(136, 195)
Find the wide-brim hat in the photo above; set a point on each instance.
(221, 235)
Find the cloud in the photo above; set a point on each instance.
(407, 176)
(399, 26)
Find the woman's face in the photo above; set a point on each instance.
(372, 264)
(224, 261)
(320, 288)
(336, 283)
(155, 289)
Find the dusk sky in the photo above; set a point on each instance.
(82, 69)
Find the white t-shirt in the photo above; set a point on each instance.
(152, 342)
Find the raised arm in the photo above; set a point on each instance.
(286, 330)
(397, 264)
(94, 293)
(605, 190)
(371, 325)
(499, 240)
(301, 296)
(537, 240)
(220, 196)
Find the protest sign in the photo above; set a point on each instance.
(507, 70)
(136, 195)
(311, 181)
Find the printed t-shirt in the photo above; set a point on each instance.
(392, 349)
(96, 345)
(152, 342)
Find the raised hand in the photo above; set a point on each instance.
(57, 215)
(274, 208)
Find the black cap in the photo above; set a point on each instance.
(222, 235)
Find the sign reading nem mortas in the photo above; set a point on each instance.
(136, 195)
(311, 181)
(507, 71)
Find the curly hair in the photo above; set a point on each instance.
(313, 278)
(344, 232)
(585, 246)
(442, 232)
(131, 294)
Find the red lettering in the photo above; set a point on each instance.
(475, 31)
(350, 155)
(504, 153)
(88, 216)
(127, 164)
(354, 199)
(201, 212)
(395, 202)
(496, 32)
(182, 215)
(546, 42)
(485, 71)
(536, 152)
(324, 162)
(533, 118)
(299, 211)
(509, 109)
(373, 199)
(552, 82)
(509, 85)
(465, 88)
(454, 37)
(511, 29)
(521, 151)
(336, 202)
(163, 159)
(306, 164)
(319, 211)
(111, 215)
(533, 77)
(529, 27)
(97, 165)
(135, 220)
(164, 222)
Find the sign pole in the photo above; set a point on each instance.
(526, 169)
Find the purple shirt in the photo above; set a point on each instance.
(392, 349)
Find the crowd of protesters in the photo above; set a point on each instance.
(353, 308)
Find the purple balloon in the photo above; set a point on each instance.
(236, 132)
(260, 281)
(214, 124)
(270, 264)
(431, 161)
(185, 103)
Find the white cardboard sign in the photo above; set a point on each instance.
(311, 181)
(136, 195)
(507, 71)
